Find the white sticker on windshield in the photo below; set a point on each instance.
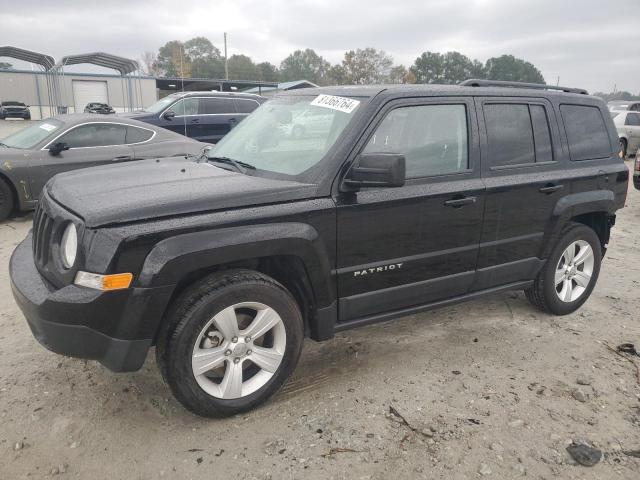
(342, 104)
(48, 127)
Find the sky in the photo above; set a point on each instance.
(593, 44)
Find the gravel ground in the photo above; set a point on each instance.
(486, 389)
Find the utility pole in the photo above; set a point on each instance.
(226, 60)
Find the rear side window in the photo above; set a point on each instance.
(633, 119)
(245, 106)
(138, 135)
(433, 138)
(210, 106)
(586, 132)
(509, 134)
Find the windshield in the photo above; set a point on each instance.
(31, 136)
(160, 104)
(288, 135)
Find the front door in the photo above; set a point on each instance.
(403, 247)
(89, 145)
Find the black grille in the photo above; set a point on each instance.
(42, 230)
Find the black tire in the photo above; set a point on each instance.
(6, 200)
(189, 315)
(623, 147)
(543, 294)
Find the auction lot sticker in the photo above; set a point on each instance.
(342, 104)
(48, 127)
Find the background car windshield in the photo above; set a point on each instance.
(286, 135)
(31, 136)
(160, 105)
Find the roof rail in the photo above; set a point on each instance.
(536, 86)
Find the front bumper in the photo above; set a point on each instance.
(9, 114)
(115, 328)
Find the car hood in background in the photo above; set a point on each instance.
(159, 188)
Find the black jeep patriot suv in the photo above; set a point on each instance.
(399, 199)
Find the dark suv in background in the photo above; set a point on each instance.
(205, 116)
(408, 197)
(11, 109)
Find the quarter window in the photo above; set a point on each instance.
(95, 135)
(586, 132)
(433, 138)
(138, 135)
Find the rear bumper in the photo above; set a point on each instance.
(114, 328)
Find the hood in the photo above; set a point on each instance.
(164, 187)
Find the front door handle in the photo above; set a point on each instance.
(195, 120)
(122, 158)
(551, 188)
(460, 202)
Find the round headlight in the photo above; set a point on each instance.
(69, 245)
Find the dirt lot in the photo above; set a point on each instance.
(488, 389)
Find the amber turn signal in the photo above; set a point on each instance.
(117, 281)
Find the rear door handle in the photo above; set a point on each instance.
(195, 120)
(551, 188)
(122, 158)
(460, 202)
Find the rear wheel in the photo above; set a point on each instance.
(6, 200)
(231, 342)
(570, 274)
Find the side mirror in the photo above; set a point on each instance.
(169, 115)
(58, 147)
(376, 170)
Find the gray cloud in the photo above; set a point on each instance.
(594, 44)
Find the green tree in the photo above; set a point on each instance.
(305, 65)
(242, 67)
(267, 72)
(336, 75)
(205, 58)
(400, 74)
(172, 60)
(366, 66)
(510, 68)
(448, 68)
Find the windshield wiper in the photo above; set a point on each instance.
(239, 165)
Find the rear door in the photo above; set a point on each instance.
(89, 144)
(218, 117)
(523, 171)
(403, 247)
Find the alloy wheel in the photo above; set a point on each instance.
(239, 350)
(574, 271)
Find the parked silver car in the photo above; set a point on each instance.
(633, 105)
(628, 125)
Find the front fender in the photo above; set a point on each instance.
(171, 259)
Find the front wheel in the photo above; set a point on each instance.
(570, 274)
(230, 343)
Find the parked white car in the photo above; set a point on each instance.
(628, 125)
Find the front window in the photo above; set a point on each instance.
(288, 135)
(160, 105)
(33, 135)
